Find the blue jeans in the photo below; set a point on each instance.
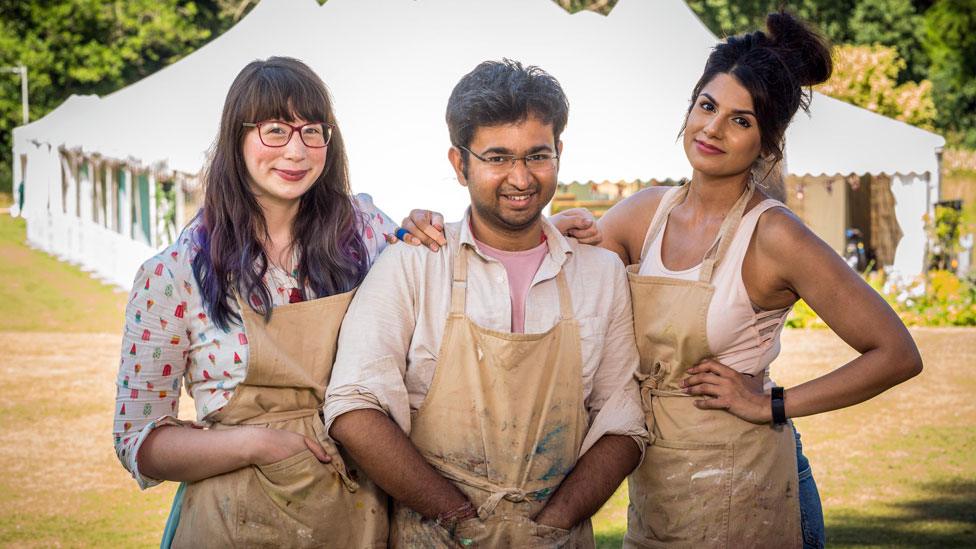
(811, 512)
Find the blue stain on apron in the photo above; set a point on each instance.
(173, 521)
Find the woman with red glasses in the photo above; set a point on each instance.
(244, 309)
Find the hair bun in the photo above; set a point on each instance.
(805, 51)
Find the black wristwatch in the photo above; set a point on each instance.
(778, 405)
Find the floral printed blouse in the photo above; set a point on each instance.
(169, 337)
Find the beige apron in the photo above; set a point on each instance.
(708, 479)
(504, 420)
(298, 501)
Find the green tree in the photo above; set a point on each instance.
(90, 46)
(728, 17)
(894, 23)
(599, 6)
(867, 76)
(950, 41)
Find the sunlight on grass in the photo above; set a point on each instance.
(40, 293)
(899, 470)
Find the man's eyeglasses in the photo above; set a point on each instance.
(503, 163)
(275, 133)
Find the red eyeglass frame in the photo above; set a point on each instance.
(328, 137)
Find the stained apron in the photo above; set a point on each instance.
(709, 478)
(504, 420)
(297, 501)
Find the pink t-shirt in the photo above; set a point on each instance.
(521, 267)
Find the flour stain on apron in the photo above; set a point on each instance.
(298, 501)
(504, 420)
(708, 479)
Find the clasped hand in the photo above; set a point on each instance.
(739, 394)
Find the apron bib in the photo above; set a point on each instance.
(504, 420)
(298, 501)
(708, 479)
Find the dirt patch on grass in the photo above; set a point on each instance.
(61, 484)
(895, 471)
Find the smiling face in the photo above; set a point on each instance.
(721, 136)
(506, 202)
(281, 175)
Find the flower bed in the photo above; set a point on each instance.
(940, 298)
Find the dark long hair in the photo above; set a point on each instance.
(327, 229)
(774, 66)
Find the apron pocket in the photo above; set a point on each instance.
(519, 531)
(549, 536)
(289, 483)
(469, 533)
(299, 495)
(507, 531)
(683, 493)
(283, 465)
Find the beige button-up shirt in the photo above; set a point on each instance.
(391, 335)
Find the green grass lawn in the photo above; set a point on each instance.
(897, 471)
(40, 293)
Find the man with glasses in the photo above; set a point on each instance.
(489, 388)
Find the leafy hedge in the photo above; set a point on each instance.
(940, 298)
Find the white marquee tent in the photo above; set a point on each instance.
(391, 65)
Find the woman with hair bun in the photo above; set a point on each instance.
(719, 264)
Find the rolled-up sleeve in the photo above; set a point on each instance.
(153, 360)
(371, 359)
(614, 403)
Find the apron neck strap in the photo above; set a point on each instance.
(459, 287)
(726, 233)
(671, 199)
(459, 282)
(565, 299)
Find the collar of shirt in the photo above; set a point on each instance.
(559, 247)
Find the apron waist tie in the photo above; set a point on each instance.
(497, 493)
(650, 383)
(648, 390)
(511, 494)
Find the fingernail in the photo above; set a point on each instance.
(434, 247)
